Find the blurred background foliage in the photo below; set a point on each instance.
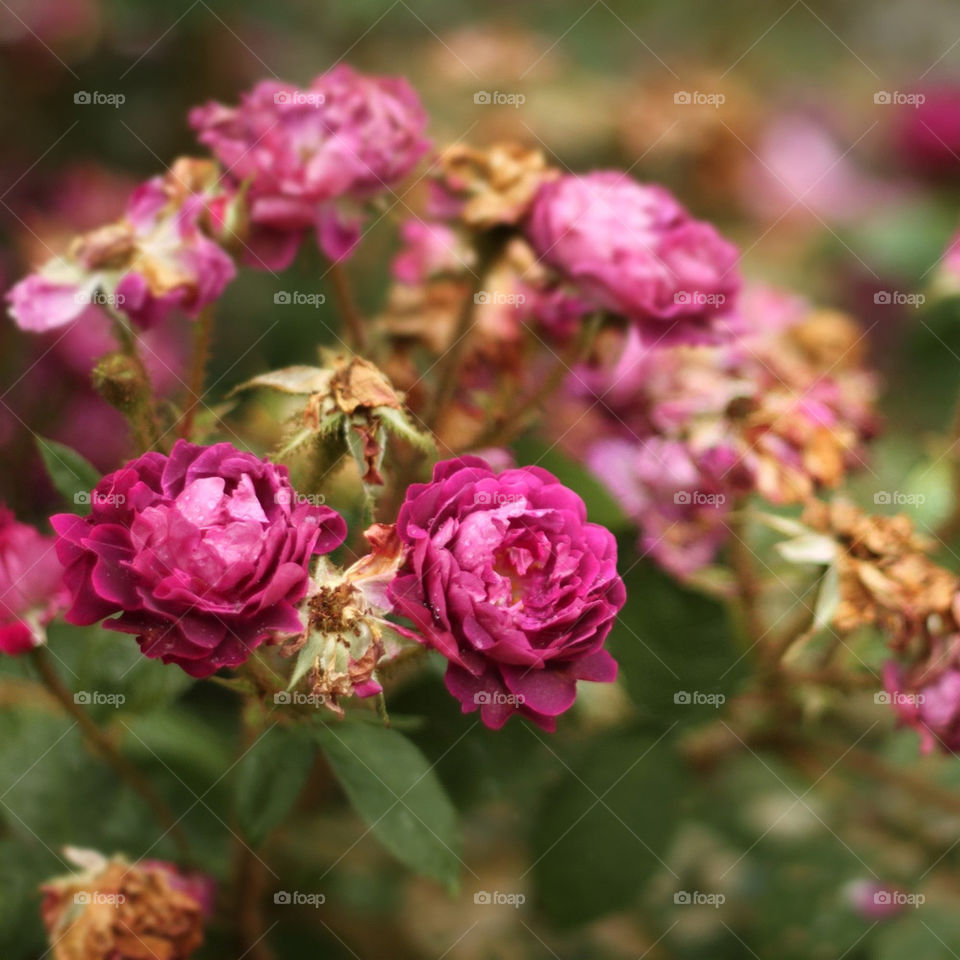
(638, 798)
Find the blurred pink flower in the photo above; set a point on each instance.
(309, 158)
(32, 591)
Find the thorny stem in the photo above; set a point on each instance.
(748, 587)
(141, 414)
(354, 326)
(105, 746)
(202, 342)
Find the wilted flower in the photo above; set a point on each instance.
(308, 158)
(116, 910)
(31, 585)
(204, 554)
(506, 578)
(157, 259)
(491, 187)
(634, 251)
(344, 642)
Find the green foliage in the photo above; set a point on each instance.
(72, 475)
(398, 795)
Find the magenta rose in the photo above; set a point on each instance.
(633, 250)
(931, 708)
(506, 578)
(31, 585)
(311, 156)
(204, 554)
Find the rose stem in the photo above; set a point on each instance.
(741, 562)
(102, 743)
(354, 326)
(202, 342)
(488, 247)
(144, 425)
(504, 429)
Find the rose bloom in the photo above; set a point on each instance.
(204, 554)
(636, 252)
(31, 585)
(311, 157)
(505, 577)
(932, 708)
(155, 260)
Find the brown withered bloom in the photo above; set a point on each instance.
(885, 577)
(497, 184)
(116, 910)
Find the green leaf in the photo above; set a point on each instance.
(676, 648)
(270, 778)
(396, 792)
(72, 475)
(604, 830)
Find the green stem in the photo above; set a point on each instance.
(355, 329)
(202, 342)
(101, 743)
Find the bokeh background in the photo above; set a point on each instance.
(798, 128)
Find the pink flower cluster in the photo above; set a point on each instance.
(309, 158)
(679, 433)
